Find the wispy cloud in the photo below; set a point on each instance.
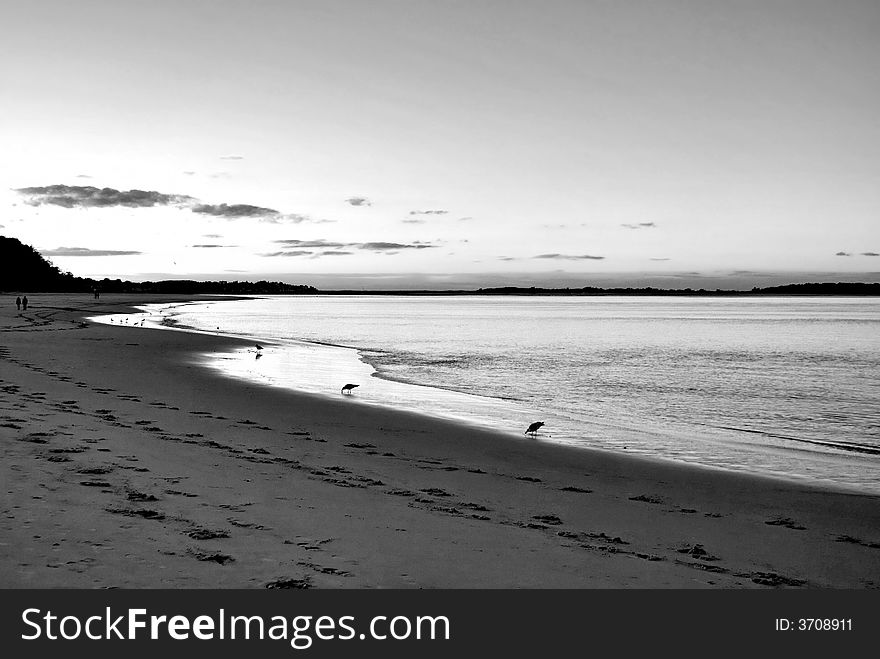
(234, 211)
(413, 221)
(359, 201)
(83, 176)
(843, 254)
(209, 246)
(86, 196)
(381, 246)
(231, 156)
(429, 212)
(570, 257)
(290, 252)
(661, 259)
(641, 225)
(870, 254)
(85, 251)
(334, 248)
(310, 243)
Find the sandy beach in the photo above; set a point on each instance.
(127, 464)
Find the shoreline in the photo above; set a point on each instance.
(487, 412)
(196, 480)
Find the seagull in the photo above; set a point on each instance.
(533, 429)
(349, 387)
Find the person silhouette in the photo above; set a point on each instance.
(24, 303)
(18, 303)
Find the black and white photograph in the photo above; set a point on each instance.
(440, 294)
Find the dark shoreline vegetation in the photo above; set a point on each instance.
(25, 269)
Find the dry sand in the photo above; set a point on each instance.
(126, 464)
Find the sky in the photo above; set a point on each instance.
(399, 144)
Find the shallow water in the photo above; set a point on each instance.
(782, 386)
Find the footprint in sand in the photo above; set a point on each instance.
(787, 522)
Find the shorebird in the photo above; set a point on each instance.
(348, 387)
(533, 429)
(257, 345)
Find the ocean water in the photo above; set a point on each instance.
(779, 386)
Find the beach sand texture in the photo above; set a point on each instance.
(126, 464)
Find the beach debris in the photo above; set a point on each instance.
(572, 488)
(548, 519)
(528, 479)
(347, 388)
(533, 428)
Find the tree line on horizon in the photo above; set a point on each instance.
(23, 268)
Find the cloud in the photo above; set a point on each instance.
(189, 172)
(292, 252)
(83, 176)
(414, 221)
(78, 196)
(336, 253)
(359, 201)
(235, 211)
(663, 259)
(232, 157)
(85, 251)
(380, 246)
(211, 235)
(465, 219)
(211, 246)
(569, 257)
(641, 225)
(310, 243)
(843, 254)
(369, 246)
(430, 212)
(870, 254)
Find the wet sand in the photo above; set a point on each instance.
(126, 464)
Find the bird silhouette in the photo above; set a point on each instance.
(533, 428)
(257, 345)
(348, 387)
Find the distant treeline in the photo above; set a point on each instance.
(842, 288)
(23, 268)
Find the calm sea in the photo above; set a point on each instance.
(783, 386)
